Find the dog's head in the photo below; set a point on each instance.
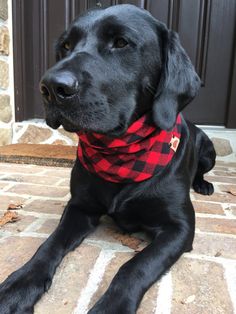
(113, 65)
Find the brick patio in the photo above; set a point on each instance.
(203, 281)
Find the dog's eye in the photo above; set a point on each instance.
(120, 43)
(67, 46)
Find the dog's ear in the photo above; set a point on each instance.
(179, 83)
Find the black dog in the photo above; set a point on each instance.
(114, 66)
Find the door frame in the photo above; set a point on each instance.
(18, 60)
(231, 112)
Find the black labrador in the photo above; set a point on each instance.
(113, 66)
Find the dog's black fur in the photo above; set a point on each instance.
(113, 66)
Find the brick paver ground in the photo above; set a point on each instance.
(203, 281)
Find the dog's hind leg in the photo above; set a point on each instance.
(206, 161)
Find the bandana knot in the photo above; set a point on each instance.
(142, 152)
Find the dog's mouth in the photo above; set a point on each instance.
(54, 124)
(67, 125)
(71, 127)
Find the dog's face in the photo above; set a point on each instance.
(112, 66)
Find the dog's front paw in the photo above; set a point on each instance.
(112, 305)
(203, 187)
(110, 309)
(13, 301)
(21, 290)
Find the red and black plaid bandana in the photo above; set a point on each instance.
(143, 151)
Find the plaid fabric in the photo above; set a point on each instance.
(140, 153)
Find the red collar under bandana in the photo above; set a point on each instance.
(143, 151)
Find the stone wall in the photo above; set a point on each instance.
(6, 94)
(36, 131)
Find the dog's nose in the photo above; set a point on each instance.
(58, 86)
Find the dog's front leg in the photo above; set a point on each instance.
(23, 288)
(137, 275)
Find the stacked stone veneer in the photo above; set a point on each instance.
(37, 132)
(6, 113)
